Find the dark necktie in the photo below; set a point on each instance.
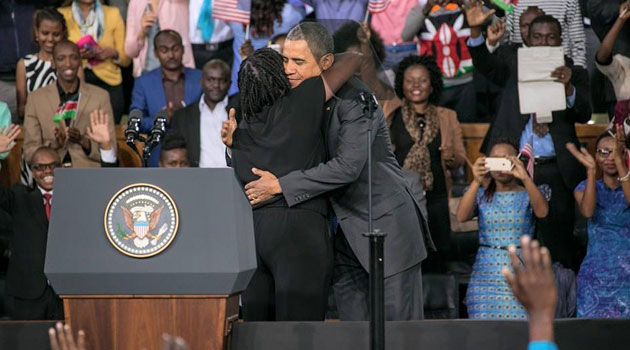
(47, 197)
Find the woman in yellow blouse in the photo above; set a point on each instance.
(102, 65)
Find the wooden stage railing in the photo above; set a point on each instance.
(473, 137)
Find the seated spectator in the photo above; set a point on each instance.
(145, 19)
(355, 37)
(506, 207)
(170, 86)
(211, 38)
(36, 70)
(29, 295)
(200, 123)
(567, 12)
(553, 165)
(268, 18)
(173, 153)
(604, 279)
(427, 139)
(428, 23)
(16, 18)
(617, 67)
(55, 116)
(102, 64)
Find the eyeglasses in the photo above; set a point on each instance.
(604, 152)
(44, 167)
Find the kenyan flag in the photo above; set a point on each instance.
(67, 111)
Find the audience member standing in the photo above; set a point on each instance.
(16, 18)
(603, 283)
(210, 38)
(427, 139)
(101, 64)
(146, 18)
(568, 14)
(506, 206)
(58, 115)
(199, 124)
(553, 165)
(169, 87)
(389, 25)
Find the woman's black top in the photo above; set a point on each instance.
(284, 137)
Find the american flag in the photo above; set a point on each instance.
(232, 10)
(376, 6)
(528, 150)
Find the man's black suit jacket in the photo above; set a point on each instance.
(501, 68)
(25, 275)
(187, 123)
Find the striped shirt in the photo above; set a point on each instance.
(39, 73)
(570, 17)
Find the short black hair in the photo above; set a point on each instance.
(48, 14)
(488, 193)
(172, 141)
(44, 149)
(169, 32)
(277, 37)
(547, 19)
(346, 36)
(601, 137)
(319, 40)
(218, 63)
(62, 43)
(426, 61)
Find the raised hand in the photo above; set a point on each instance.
(480, 170)
(624, 11)
(534, 285)
(147, 21)
(60, 135)
(619, 153)
(474, 13)
(495, 32)
(518, 170)
(228, 128)
(582, 156)
(98, 131)
(8, 136)
(62, 338)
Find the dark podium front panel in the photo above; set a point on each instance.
(212, 253)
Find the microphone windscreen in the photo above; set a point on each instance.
(135, 113)
(162, 114)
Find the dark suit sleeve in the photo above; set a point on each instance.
(6, 199)
(344, 168)
(581, 110)
(494, 66)
(139, 101)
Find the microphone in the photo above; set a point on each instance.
(133, 126)
(159, 128)
(370, 103)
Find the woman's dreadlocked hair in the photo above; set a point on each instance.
(261, 81)
(263, 15)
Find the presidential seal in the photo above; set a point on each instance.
(141, 220)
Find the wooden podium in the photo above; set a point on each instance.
(121, 322)
(189, 289)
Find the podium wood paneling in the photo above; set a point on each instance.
(122, 322)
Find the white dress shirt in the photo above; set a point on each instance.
(212, 149)
(43, 191)
(221, 32)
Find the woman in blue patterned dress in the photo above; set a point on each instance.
(603, 283)
(506, 208)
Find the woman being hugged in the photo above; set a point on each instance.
(507, 207)
(603, 283)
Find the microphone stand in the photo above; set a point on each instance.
(377, 239)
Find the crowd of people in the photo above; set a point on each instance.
(283, 101)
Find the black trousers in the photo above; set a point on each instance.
(295, 260)
(116, 94)
(556, 230)
(46, 307)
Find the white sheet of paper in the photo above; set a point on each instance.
(537, 91)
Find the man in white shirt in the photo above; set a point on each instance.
(210, 38)
(199, 124)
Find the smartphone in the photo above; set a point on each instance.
(499, 164)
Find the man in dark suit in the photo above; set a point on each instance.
(343, 178)
(553, 164)
(30, 297)
(199, 124)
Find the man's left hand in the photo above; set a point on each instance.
(264, 188)
(563, 75)
(74, 136)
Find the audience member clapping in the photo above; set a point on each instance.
(99, 31)
(604, 279)
(506, 205)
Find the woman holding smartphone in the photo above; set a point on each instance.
(506, 207)
(99, 31)
(145, 18)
